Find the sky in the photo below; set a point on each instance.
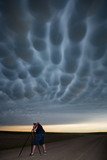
(53, 62)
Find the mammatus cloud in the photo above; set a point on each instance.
(53, 52)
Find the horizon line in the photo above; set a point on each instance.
(60, 128)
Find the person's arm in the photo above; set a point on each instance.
(34, 129)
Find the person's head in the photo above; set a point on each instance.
(34, 125)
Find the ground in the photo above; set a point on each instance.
(89, 147)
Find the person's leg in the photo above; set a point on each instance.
(42, 142)
(33, 150)
(44, 148)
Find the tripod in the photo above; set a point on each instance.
(24, 145)
(31, 146)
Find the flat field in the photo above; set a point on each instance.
(9, 140)
(60, 146)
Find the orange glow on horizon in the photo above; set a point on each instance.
(68, 128)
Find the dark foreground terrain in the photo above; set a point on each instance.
(9, 140)
(63, 147)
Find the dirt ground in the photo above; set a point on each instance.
(93, 147)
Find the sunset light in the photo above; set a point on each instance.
(66, 128)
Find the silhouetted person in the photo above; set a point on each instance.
(38, 138)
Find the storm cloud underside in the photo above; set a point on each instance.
(53, 61)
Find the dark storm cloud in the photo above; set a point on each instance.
(11, 75)
(71, 56)
(55, 32)
(52, 53)
(99, 36)
(3, 50)
(56, 55)
(77, 31)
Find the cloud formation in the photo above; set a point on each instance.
(53, 52)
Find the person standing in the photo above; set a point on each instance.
(38, 138)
